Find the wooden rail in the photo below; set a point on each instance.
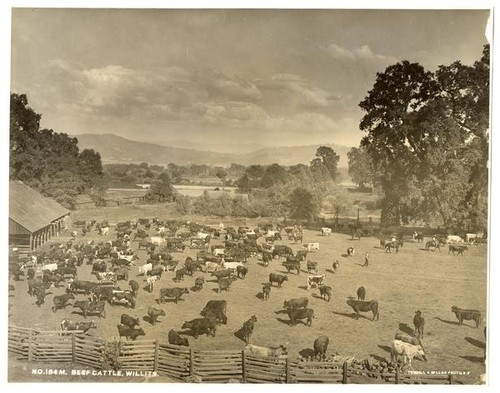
(182, 362)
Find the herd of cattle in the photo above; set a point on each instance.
(220, 253)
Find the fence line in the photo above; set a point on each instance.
(183, 362)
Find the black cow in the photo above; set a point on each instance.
(176, 339)
(156, 271)
(459, 249)
(419, 322)
(361, 292)
(61, 301)
(266, 290)
(154, 313)
(467, 315)
(292, 264)
(81, 286)
(282, 251)
(248, 328)
(134, 286)
(301, 313)
(293, 304)
(179, 274)
(325, 292)
(364, 306)
(129, 321)
(201, 325)
(312, 267)
(277, 278)
(99, 267)
(67, 271)
(215, 309)
(125, 331)
(241, 271)
(175, 293)
(266, 257)
(320, 346)
(301, 255)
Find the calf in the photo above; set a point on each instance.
(311, 247)
(361, 292)
(298, 314)
(201, 325)
(129, 321)
(175, 338)
(467, 315)
(198, 283)
(335, 266)
(350, 251)
(312, 267)
(150, 282)
(174, 293)
(248, 328)
(277, 278)
(134, 286)
(154, 313)
(326, 231)
(125, 331)
(266, 290)
(320, 346)
(325, 292)
(364, 306)
(293, 304)
(419, 322)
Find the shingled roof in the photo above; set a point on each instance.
(32, 210)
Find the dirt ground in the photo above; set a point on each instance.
(414, 279)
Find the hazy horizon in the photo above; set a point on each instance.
(223, 80)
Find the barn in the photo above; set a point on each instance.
(33, 218)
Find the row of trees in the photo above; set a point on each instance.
(48, 161)
(427, 141)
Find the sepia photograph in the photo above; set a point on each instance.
(259, 195)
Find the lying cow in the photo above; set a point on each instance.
(68, 325)
(129, 321)
(311, 246)
(175, 338)
(154, 313)
(364, 306)
(315, 280)
(254, 350)
(125, 331)
(407, 351)
(466, 315)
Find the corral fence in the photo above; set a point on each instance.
(183, 363)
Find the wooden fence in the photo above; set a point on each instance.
(183, 362)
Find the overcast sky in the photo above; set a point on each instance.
(223, 80)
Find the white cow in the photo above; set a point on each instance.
(255, 350)
(407, 350)
(150, 281)
(311, 246)
(218, 252)
(202, 235)
(50, 267)
(326, 231)
(454, 239)
(145, 268)
(211, 267)
(157, 240)
(471, 236)
(104, 231)
(232, 265)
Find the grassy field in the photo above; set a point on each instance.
(414, 279)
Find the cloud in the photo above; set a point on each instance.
(363, 52)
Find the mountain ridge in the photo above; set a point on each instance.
(116, 149)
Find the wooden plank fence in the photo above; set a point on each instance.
(210, 366)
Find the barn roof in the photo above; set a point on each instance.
(31, 209)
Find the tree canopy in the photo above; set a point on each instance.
(427, 136)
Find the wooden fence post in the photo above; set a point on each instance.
(450, 379)
(73, 348)
(243, 367)
(157, 348)
(344, 373)
(191, 362)
(30, 341)
(287, 370)
(396, 377)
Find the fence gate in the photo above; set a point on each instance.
(265, 369)
(217, 366)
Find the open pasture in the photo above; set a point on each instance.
(414, 279)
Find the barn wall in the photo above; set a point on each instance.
(16, 229)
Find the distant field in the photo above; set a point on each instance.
(402, 283)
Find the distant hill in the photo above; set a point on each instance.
(115, 149)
